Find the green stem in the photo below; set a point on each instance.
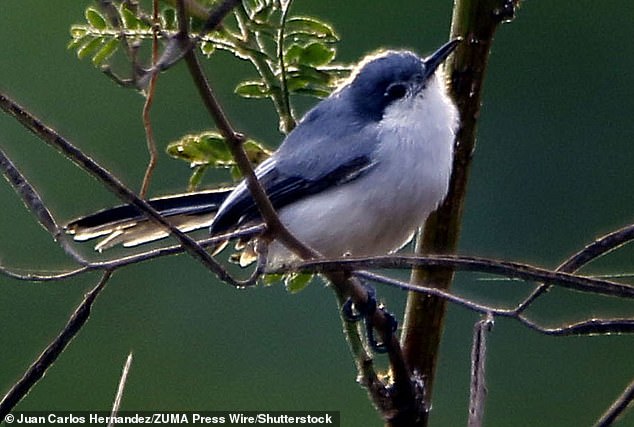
(265, 70)
(475, 21)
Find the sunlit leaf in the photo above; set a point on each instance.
(207, 48)
(168, 19)
(78, 31)
(207, 148)
(78, 40)
(131, 21)
(313, 54)
(252, 89)
(106, 51)
(271, 279)
(196, 177)
(296, 282)
(262, 14)
(89, 47)
(210, 149)
(314, 91)
(317, 54)
(303, 25)
(95, 19)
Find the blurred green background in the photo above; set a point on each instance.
(554, 168)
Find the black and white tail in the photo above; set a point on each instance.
(126, 225)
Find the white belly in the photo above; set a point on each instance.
(380, 211)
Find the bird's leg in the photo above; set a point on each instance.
(353, 312)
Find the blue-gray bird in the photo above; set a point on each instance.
(358, 175)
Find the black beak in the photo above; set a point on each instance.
(435, 59)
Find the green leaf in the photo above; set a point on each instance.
(252, 89)
(296, 282)
(207, 48)
(313, 91)
(89, 47)
(307, 26)
(168, 19)
(307, 76)
(256, 152)
(271, 279)
(313, 54)
(106, 51)
(95, 19)
(78, 31)
(263, 14)
(78, 41)
(196, 177)
(292, 53)
(210, 149)
(131, 21)
(207, 148)
(317, 54)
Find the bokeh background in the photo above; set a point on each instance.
(554, 168)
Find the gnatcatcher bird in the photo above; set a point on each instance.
(358, 175)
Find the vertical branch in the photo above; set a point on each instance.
(122, 382)
(149, 134)
(476, 22)
(477, 392)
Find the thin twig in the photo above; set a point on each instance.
(119, 396)
(586, 327)
(247, 232)
(452, 262)
(50, 354)
(35, 204)
(618, 407)
(594, 250)
(478, 391)
(149, 98)
(235, 141)
(74, 154)
(40, 277)
(287, 117)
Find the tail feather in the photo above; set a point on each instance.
(126, 225)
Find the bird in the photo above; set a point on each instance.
(357, 176)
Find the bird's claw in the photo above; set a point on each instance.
(354, 312)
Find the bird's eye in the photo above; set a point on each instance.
(395, 91)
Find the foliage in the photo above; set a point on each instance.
(291, 54)
(209, 149)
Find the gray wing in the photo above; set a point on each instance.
(314, 157)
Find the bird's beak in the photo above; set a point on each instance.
(435, 59)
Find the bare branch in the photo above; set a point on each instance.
(452, 262)
(35, 204)
(476, 22)
(478, 391)
(50, 354)
(149, 98)
(117, 263)
(74, 154)
(36, 277)
(618, 407)
(119, 396)
(594, 250)
(587, 327)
